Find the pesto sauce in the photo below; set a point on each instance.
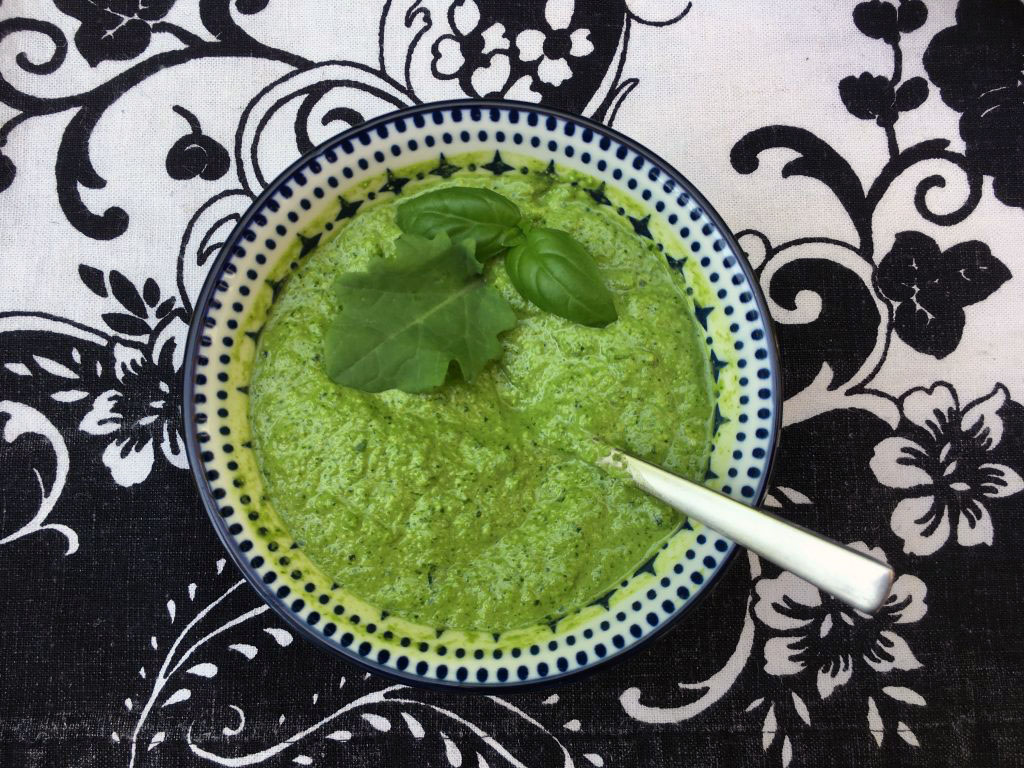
(478, 506)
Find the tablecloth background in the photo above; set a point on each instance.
(869, 155)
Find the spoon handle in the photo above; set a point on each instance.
(851, 576)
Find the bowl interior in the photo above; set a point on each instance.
(309, 203)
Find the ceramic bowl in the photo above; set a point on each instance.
(310, 200)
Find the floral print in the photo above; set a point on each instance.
(932, 287)
(196, 154)
(873, 97)
(114, 30)
(978, 66)
(884, 21)
(804, 642)
(868, 96)
(552, 48)
(813, 632)
(143, 410)
(944, 464)
(474, 53)
(479, 53)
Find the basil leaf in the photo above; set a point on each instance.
(463, 213)
(404, 320)
(552, 270)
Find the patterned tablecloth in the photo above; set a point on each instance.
(870, 156)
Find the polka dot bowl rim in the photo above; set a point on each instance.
(657, 598)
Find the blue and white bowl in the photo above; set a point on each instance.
(298, 209)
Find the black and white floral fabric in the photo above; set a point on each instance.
(870, 157)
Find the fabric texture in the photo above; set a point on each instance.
(870, 158)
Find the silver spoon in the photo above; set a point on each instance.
(851, 576)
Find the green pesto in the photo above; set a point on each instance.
(478, 506)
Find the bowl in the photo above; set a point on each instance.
(298, 209)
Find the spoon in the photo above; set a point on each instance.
(851, 576)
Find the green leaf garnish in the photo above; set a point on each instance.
(404, 320)
(552, 270)
(463, 213)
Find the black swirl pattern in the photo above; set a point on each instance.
(929, 314)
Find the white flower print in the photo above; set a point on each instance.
(472, 52)
(946, 468)
(554, 47)
(818, 633)
(522, 90)
(144, 409)
(492, 78)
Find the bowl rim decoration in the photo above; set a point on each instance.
(648, 605)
